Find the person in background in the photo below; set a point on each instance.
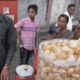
(7, 45)
(28, 28)
(70, 11)
(76, 31)
(60, 31)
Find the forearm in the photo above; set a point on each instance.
(19, 36)
(11, 40)
(10, 55)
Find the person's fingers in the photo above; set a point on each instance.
(4, 77)
(7, 77)
(1, 76)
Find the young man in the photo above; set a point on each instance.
(28, 27)
(60, 30)
(7, 45)
(70, 11)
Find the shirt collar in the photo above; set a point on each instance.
(28, 18)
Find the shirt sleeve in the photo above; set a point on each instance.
(19, 24)
(11, 41)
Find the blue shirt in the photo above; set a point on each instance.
(54, 30)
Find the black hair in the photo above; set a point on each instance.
(71, 5)
(65, 16)
(33, 6)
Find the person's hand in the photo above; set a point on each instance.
(21, 42)
(5, 74)
(20, 39)
(49, 36)
(53, 35)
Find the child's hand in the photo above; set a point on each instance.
(20, 39)
(21, 42)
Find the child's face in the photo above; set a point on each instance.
(31, 13)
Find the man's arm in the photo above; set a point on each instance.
(11, 40)
(19, 27)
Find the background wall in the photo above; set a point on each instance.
(57, 7)
(77, 13)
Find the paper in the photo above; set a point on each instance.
(6, 10)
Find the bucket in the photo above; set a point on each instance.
(24, 72)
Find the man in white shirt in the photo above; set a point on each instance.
(70, 11)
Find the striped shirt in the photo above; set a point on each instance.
(28, 32)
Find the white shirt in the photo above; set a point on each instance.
(70, 23)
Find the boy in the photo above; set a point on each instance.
(28, 28)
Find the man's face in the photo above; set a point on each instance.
(62, 22)
(31, 13)
(71, 10)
